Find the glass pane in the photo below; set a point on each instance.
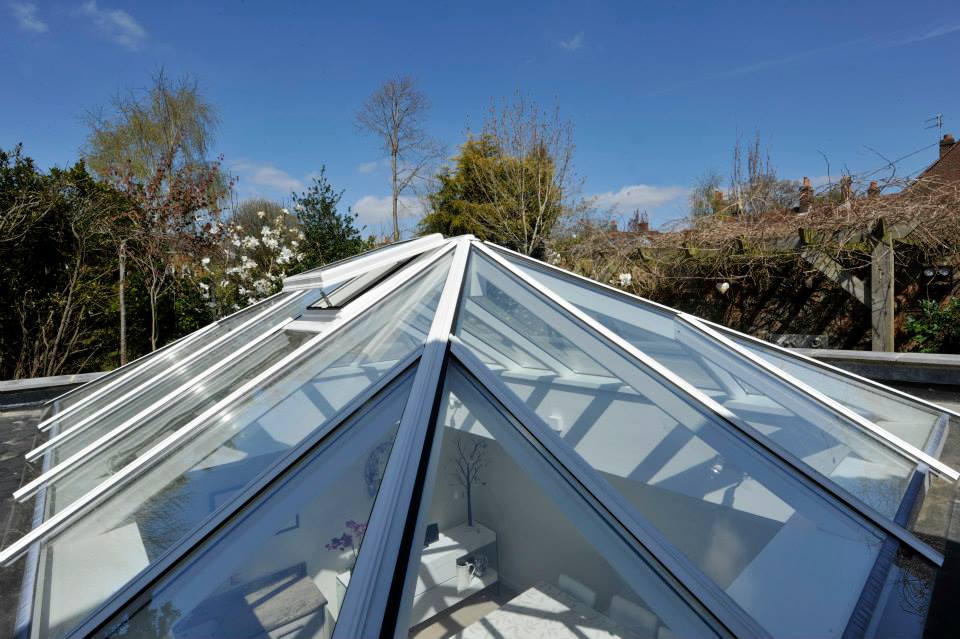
(177, 412)
(147, 385)
(830, 443)
(513, 551)
(281, 567)
(125, 533)
(910, 421)
(167, 352)
(789, 557)
(352, 289)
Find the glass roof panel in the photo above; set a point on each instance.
(167, 353)
(145, 386)
(305, 532)
(129, 530)
(828, 442)
(773, 543)
(178, 411)
(911, 421)
(513, 550)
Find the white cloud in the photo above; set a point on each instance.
(574, 43)
(638, 196)
(374, 210)
(930, 34)
(368, 167)
(116, 24)
(266, 175)
(26, 16)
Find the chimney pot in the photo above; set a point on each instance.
(946, 144)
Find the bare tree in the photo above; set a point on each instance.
(394, 114)
(530, 182)
(755, 188)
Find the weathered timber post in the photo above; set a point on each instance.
(882, 301)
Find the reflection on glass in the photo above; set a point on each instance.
(771, 542)
(112, 542)
(512, 551)
(830, 443)
(911, 421)
(112, 457)
(281, 567)
(128, 398)
(905, 601)
(168, 352)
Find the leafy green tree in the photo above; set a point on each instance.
(56, 268)
(460, 204)
(499, 196)
(328, 235)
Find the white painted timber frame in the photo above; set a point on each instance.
(654, 549)
(381, 572)
(800, 469)
(785, 351)
(120, 374)
(833, 369)
(52, 525)
(377, 603)
(215, 522)
(715, 333)
(333, 274)
(121, 429)
(83, 423)
(880, 434)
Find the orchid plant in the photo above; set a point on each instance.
(349, 540)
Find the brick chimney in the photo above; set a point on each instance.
(946, 144)
(806, 196)
(873, 190)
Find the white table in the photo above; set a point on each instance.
(544, 611)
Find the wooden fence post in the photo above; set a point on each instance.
(882, 301)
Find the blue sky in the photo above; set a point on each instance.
(658, 91)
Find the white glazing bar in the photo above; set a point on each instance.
(132, 393)
(30, 488)
(586, 280)
(63, 517)
(672, 566)
(833, 369)
(121, 374)
(44, 425)
(812, 477)
(336, 273)
(675, 312)
(879, 433)
(373, 576)
(212, 525)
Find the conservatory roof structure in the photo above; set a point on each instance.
(444, 437)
